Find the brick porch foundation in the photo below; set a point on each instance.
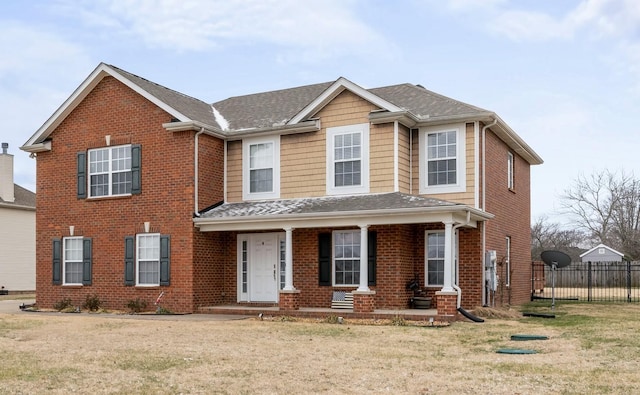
(364, 301)
(446, 303)
(289, 300)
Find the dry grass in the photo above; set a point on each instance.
(591, 349)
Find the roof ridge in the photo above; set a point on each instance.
(158, 85)
(276, 91)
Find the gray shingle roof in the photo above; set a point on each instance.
(424, 103)
(23, 197)
(331, 204)
(267, 109)
(195, 109)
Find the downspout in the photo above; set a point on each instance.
(411, 161)
(195, 173)
(484, 208)
(457, 278)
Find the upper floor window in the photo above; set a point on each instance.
(109, 171)
(261, 168)
(510, 167)
(442, 159)
(348, 159)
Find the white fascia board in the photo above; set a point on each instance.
(334, 90)
(320, 220)
(81, 92)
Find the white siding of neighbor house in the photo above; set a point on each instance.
(17, 252)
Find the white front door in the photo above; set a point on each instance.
(263, 267)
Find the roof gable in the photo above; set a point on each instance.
(179, 106)
(601, 246)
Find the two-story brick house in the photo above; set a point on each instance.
(279, 198)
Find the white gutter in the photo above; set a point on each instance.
(195, 175)
(484, 208)
(456, 266)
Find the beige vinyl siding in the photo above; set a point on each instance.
(234, 171)
(403, 159)
(467, 197)
(381, 158)
(303, 156)
(18, 244)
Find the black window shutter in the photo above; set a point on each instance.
(86, 261)
(82, 174)
(324, 259)
(57, 261)
(372, 245)
(129, 261)
(136, 181)
(165, 259)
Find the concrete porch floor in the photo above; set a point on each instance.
(310, 312)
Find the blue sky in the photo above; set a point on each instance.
(565, 75)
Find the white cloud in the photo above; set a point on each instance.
(315, 28)
(40, 74)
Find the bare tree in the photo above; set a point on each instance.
(606, 206)
(546, 235)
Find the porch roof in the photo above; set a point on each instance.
(336, 211)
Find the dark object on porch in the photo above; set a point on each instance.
(420, 302)
(469, 315)
(4, 291)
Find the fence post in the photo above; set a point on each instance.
(628, 281)
(589, 281)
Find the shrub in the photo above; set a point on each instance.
(63, 304)
(92, 303)
(137, 305)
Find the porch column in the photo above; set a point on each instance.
(448, 257)
(288, 260)
(364, 259)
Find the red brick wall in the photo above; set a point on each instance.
(512, 218)
(400, 255)
(166, 200)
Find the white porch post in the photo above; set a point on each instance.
(364, 259)
(288, 260)
(448, 257)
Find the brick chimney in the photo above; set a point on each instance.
(6, 175)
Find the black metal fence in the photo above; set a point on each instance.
(587, 281)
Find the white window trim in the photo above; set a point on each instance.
(461, 161)
(510, 171)
(110, 184)
(64, 258)
(426, 257)
(333, 257)
(507, 262)
(363, 129)
(137, 247)
(246, 180)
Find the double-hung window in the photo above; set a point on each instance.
(72, 261)
(435, 247)
(346, 257)
(261, 168)
(109, 171)
(147, 259)
(348, 159)
(510, 168)
(442, 159)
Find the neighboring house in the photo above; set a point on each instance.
(17, 231)
(601, 253)
(278, 198)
